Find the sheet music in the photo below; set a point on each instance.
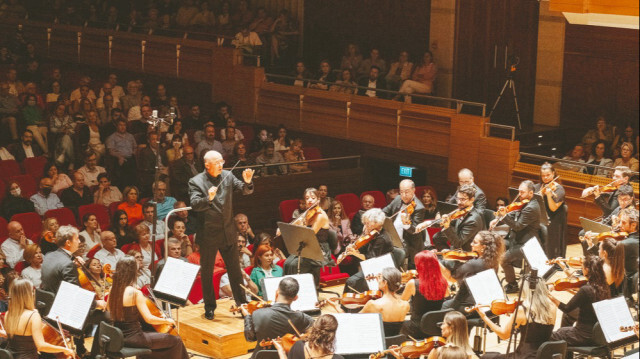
(485, 287)
(71, 305)
(375, 266)
(359, 333)
(307, 296)
(536, 257)
(612, 314)
(177, 278)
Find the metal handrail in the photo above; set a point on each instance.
(358, 157)
(576, 163)
(447, 99)
(497, 125)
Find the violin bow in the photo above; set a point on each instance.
(251, 292)
(353, 289)
(294, 328)
(64, 339)
(231, 170)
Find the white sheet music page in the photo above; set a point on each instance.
(613, 314)
(71, 305)
(485, 287)
(177, 278)
(359, 333)
(536, 257)
(375, 266)
(307, 296)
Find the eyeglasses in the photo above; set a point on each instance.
(123, 218)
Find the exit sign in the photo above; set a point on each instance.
(406, 171)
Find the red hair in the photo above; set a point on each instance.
(433, 285)
(260, 251)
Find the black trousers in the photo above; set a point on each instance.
(306, 266)
(229, 254)
(513, 254)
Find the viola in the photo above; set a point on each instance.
(411, 207)
(569, 283)
(287, 341)
(498, 306)
(413, 348)
(307, 215)
(458, 255)
(573, 262)
(355, 298)
(359, 243)
(85, 282)
(406, 276)
(251, 307)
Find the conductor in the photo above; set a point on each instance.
(211, 194)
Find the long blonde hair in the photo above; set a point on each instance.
(22, 299)
(459, 330)
(537, 301)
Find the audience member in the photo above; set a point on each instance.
(301, 74)
(399, 71)
(13, 247)
(465, 177)
(302, 206)
(109, 254)
(296, 154)
(626, 151)
(105, 193)
(33, 119)
(9, 109)
(176, 132)
(62, 128)
(229, 143)
(190, 220)
(174, 251)
(209, 142)
(178, 232)
(121, 229)
(149, 162)
(430, 201)
(240, 157)
(576, 155)
(245, 261)
(283, 141)
(270, 157)
(325, 200)
(186, 12)
(55, 90)
(372, 82)
(78, 194)
(147, 212)
(602, 132)
(91, 231)
(339, 222)
(244, 229)
(248, 41)
(47, 238)
(629, 134)
(14, 201)
(422, 78)
(345, 84)
(26, 148)
(259, 141)
(90, 137)
(91, 170)
(195, 120)
(33, 273)
(122, 146)
(366, 203)
(352, 58)
(132, 98)
(283, 31)
(181, 172)
(44, 200)
(597, 157)
(60, 181)
(144, 244)
(325, 74)
(83, 86)
(131, 205)
(373, 60)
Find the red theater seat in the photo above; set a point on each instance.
(380, 201)
(350, 202)
(287, 208)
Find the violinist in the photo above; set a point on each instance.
(33, 256)
(554, 195)
(537, 307)
(24, 324)
(609, 201)
(317, 219)
(319, 342)
(490, 249)
(409, 212)
(465, 177)
(426, 292)
(612, 253)
(128, 305)
(272, 322)
(523, 225)
(97, 278)
(391, 306)
(381, 244)
(595, 290)
(629, 223)
(460, 231)
(625, 199)
(455, 329)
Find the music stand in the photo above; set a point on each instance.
(446, 207)
(307, 296)
(71, 306)
(544, 217)
(593, 226)
(393, 233)
(536, 258)
(302, 241)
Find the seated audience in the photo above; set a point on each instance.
(26, 148)
(283, 141)
(163, 202)
(60, 181)
(230, 142)
(13, 247)
(455, 330)
(188, 217)
(78, 194)
(209, 142)
(296, 154)
(55, 90)
(258, 143)
(575, 155)
(147, 213)
(247, 40)
(372, 82)
(302, 206)
(44, 200)
(174, 150)
(174, 251)
(91, 170)
(264, 267)
(176, 131)
(392, 194)
(90, 137)
(14, 201)
(626, 151)
(244, 229)
(144, 245)
(373, 60)
(603, 131)
(131, 205)
(399, 71)
(122, 145)
(430, 201)
(181, 172)
(121, 229)
(63, 129)
(132, 98)
(106, 194)
(143, 277)
(222, 114)
(366, 203)
(231, 122)
(301, 74)
(597, 157)
(422, 78)
(34, 121)
(47, 242)
(352, 58)
(346, 83)
(325, 200)
(9, 109)
(148, 162)
(178, 232)
(195, 120)
(91, 231)
(269, 157)
(240, 157)
(339, 222)
(629, 134)
(324, 75)
(33, 273)
(109, 254)
(266, 239)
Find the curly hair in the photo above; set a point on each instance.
(596, 277)
(321, 336)
(493, 248)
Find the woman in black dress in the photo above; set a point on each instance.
(532, 334)
(127, 305)
(427, 292)
(612, 254)
(24, 325)
(318, 344)
(554, 196)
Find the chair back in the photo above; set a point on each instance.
(350, 202)
(395, 340)
(5, 354)
(267, 354)
(544, 234)
(552, 349)
(598, 336)
(44, 301)
(116, 338)
(430, 322)
(379, 199)
(487, 215)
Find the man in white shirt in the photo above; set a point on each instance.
(44, 200)
(13, 247)
(246, 39)
(116, 90)
(76, 94)
(109, 254)
(147, 213)
(91, 170)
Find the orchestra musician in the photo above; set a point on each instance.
(554, 196)
(609, 201)
(536, 306)
(490, 249)
(211, 193)
(455, 330)
(625, 199)
(404, 222)
(315, 218)
(373, 220)
(24, 325)
(319, 342)
(465, 177)
(461, 231)
(523, 225)
(127, 306)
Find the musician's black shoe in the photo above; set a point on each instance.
(208, 314)
(511, 288)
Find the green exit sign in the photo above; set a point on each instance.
(406, 171)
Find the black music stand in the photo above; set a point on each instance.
(302, 241)
(391, 229)
(593, 226)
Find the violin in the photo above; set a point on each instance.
(498, 306)
(413, 348)
(571, 283)
(552, 186)
(608, 188)
(618, 236)
(359, 243)
(573, 262)
(307, 215)
(458, 213)
(251, 307)
(513, 207)
(355, 298)
(287, 341)
(458, 255)
(406, 276)
(411, 207)
(155, 309)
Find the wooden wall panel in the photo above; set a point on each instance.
(425, 128)
(325, 113)
(279, 104)
(126, 54)
(160, 58)
(374, 121)
(466, 131)
(64, 44)
(94, 49)
(196, 62)
(244, 91)
(496, 159)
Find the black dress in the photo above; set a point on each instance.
(163, 346)
(582, 332)
(23, 346)
(419, 306)
(297, 351)
(534, 335)
(556, 245)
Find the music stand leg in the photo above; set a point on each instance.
(300, 246)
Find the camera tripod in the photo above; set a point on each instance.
(512, 85)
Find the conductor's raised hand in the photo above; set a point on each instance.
(247, 175)
(212, 192)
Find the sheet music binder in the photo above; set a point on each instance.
(176, 271)
(72, 305)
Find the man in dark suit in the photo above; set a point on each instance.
(373, 82)
(181, 172)
(147, 166)
(366, 203)
(629, 223)
(459, 232)
(211, 195)
(523, 225)
(26, 147)
(273, 322)
(58, 266)
(465, 177)
(406, 223)
(609, 201)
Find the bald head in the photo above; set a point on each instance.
(78, 180)
(242, 222)
(15, 230)
(367, 202)
(108, 240)
(213, 162)
(465, 176)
